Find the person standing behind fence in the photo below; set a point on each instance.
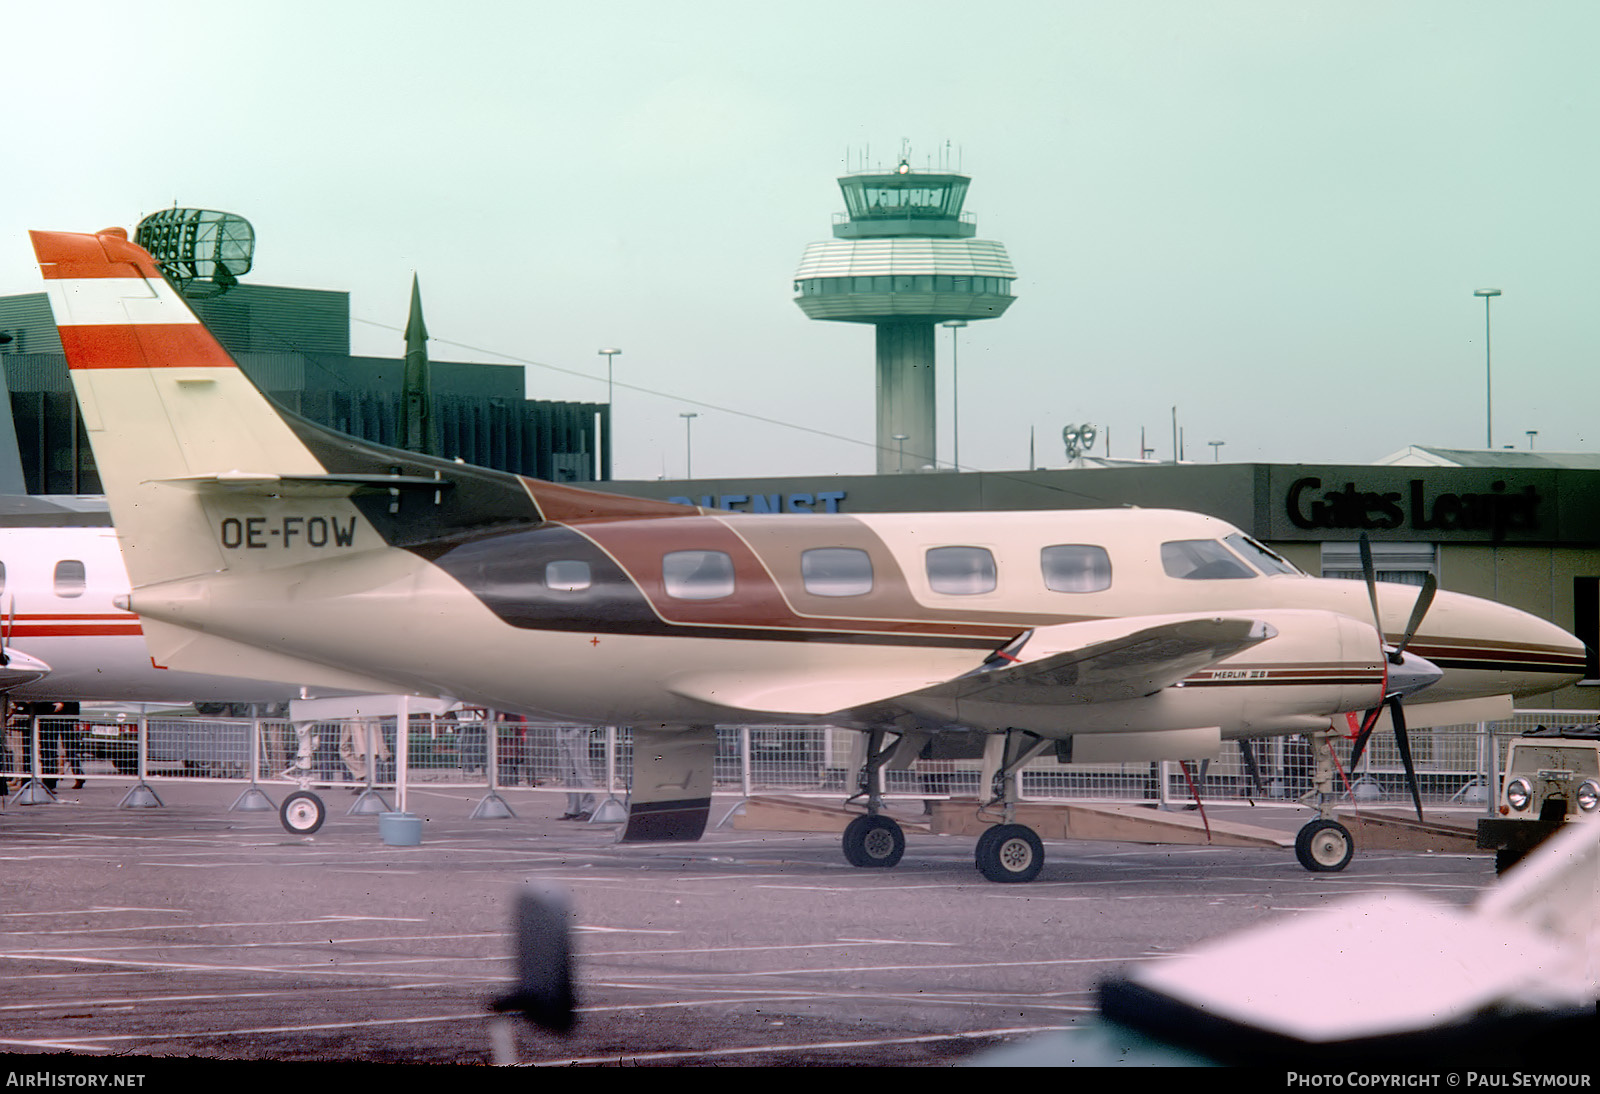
(516, 768)
(55, 744)
(572, 744)
(361, 746)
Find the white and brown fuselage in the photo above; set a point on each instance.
(262, 544)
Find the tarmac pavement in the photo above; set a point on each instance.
(190, 931)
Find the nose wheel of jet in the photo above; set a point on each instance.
(1324, 846)
(302, 812)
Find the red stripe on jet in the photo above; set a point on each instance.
(143, 345)
(64, 255)
(92, 630)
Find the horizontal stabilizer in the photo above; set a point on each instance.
(266, 484)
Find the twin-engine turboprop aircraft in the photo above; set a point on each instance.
(261, 544)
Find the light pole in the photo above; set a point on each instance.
(1216, 449)
(900, 460)
(608, 353)
(955, 391)
(1488, 374)
(688, 442)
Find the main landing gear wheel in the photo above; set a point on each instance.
(302, 812)
(1009, 853)
(873, 840)
(1324, 847)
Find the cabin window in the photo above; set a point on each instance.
(836, 571)
(567, 576)
(70, 578)
(1075, 568)
(961, 571)
(1263, 558)
(697, 575)
(1201, 560)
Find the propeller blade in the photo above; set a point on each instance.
(1403, 739)
(1362, 737)
(1430, 585)
(1370, 573)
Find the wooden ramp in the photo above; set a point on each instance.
(961, 817)
(777, 814)
(1396, 832)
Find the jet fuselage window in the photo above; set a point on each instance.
(1075, 568)
(836, 571)
(1201, 560)
(567, 576)
(961, 571)
(70, 578)
(697, 575)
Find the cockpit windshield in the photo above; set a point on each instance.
(1261, 557)
(1201, 560)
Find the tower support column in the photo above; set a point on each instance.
(906, 397)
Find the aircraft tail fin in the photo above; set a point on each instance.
(161, 400)
(205, 473)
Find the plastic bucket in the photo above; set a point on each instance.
(400, 829)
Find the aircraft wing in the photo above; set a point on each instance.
(1096, 661)
(1054, 666)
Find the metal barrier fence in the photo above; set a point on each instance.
(1455, 764)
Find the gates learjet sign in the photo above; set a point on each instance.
(1500, 511)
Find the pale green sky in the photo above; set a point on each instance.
(1269, 214)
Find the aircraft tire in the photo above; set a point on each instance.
(1009, 853)
(302, 813)
(983, 839)
(873, 841)
(1324, 846)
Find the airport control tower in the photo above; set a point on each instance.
(904, 259)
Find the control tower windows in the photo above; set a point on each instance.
(918, 283)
